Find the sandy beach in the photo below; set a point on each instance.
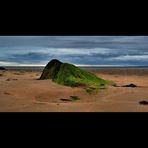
(20, 91)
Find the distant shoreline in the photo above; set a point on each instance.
(19, 67)
(93, 69)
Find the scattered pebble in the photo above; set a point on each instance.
(72, 98)
(130, 85)
(1, 74)
(17, 73)
(7, 93)
(10, 79)
(65, 99)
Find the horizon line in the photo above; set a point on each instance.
(78, 65)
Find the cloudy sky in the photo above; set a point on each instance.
(78, 50)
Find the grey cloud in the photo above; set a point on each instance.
(69, 41)
(27, 58)
(75, 49)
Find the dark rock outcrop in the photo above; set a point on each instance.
(143, 102)
(70, 75)
(51, 69)
(2, 68)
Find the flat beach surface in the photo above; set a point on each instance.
(20, 91)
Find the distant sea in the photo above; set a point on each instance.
(40, 68)
(26, 68)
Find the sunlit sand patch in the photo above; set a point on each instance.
(10, 79)
(45, 95)
(17, 73)
(43, 98)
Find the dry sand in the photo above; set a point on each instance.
(20, 91)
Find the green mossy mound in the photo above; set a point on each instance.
(70, 75)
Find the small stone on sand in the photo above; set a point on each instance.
(7, 93)
(65, 99)
(130, 85)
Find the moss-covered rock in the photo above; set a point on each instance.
(70, 75)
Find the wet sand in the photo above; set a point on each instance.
(20, 91)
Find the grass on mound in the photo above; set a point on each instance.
(73, 76)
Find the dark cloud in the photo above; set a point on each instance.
(28, 58)
(124, 50)
(71, 41)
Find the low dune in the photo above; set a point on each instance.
(22, 92)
